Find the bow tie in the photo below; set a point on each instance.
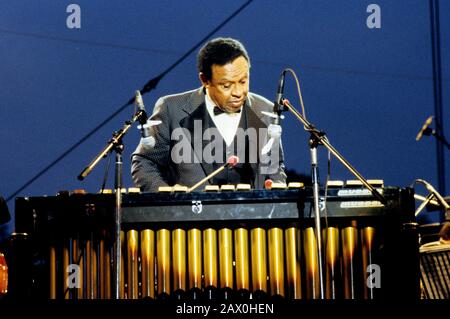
(218, 111)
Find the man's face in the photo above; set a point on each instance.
(229, 84)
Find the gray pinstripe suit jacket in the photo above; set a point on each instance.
(154, 167)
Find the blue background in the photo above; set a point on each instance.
(369, 89)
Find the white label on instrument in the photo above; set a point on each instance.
(374, 278)
(197, 207)
(73, 277)
(361, 204)
(357, 192)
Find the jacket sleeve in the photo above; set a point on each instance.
(149, 165)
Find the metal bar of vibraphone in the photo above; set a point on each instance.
(367, 247)
(311, 264)
(210, 262)
(65, 267)
(88, 251)
(101, 268)
(147, 263)
(349, 250)
(91, 262)
(132, 264)
(163, 262)
(78, 256)
(96, 270)
(53, 274)
(259, 262)
(108, 274)
(195, 262)
(179, 262)
(276, 262)
(226, 262)
(241, 252)
(331, 245)
(293, 267)
(123, 251)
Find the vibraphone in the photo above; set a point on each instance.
(222, 245)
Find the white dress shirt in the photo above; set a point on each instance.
(226, 123)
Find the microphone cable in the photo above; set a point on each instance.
(299, 91)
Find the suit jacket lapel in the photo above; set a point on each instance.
(196, 123)
(254, 121)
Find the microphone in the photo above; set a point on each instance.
(278, 104)
(433, 191)
(274, 129)
(424, 128)
(147, 140)
(231, 162)
(144, 117)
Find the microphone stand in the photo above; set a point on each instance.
(115, 144)
(313, 143)
(318, 138)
